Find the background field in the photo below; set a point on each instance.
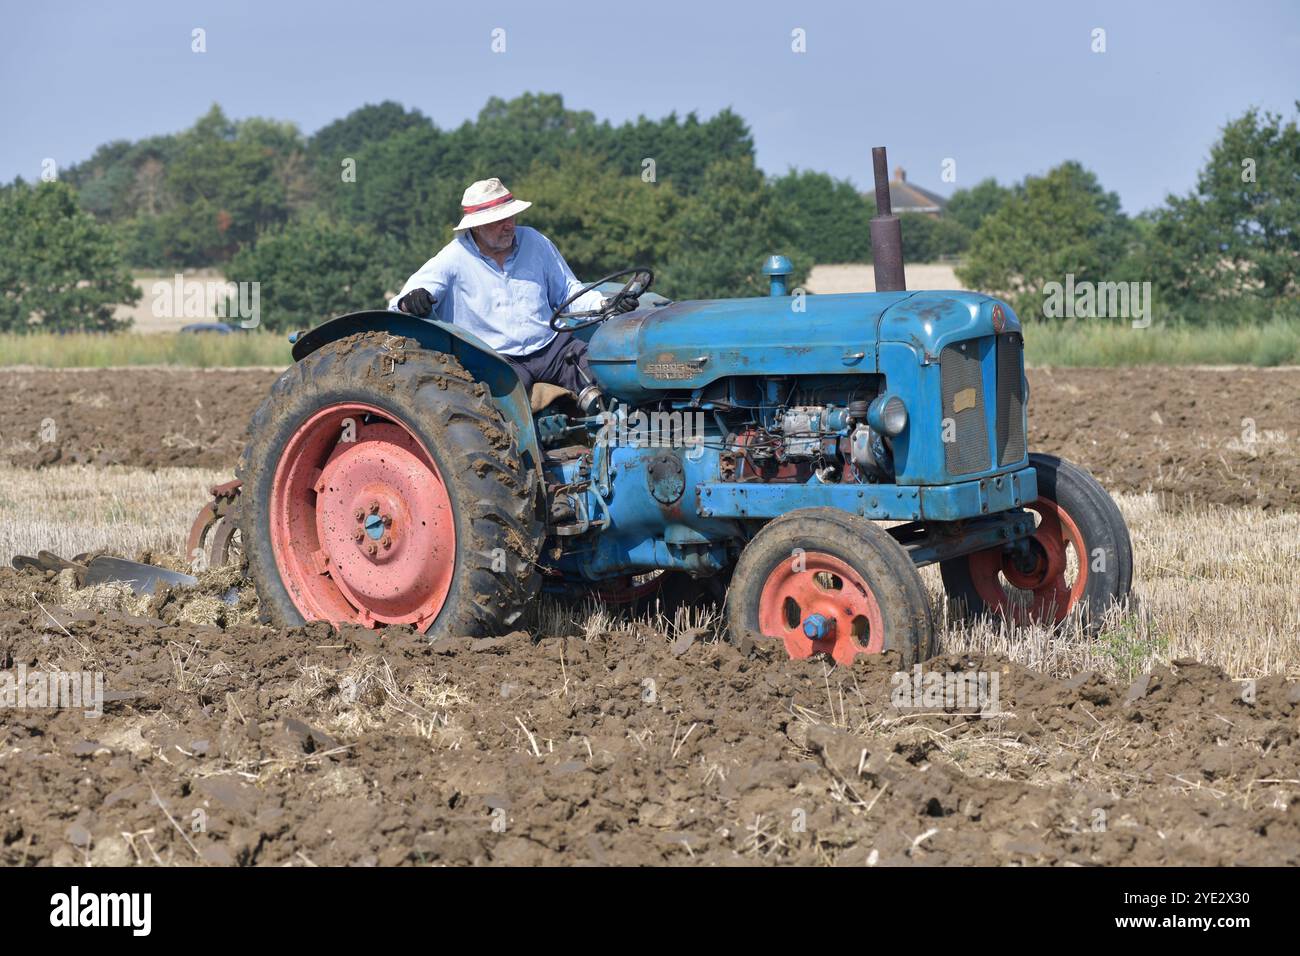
(1270, 341)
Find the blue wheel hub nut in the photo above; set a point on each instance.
(375, 526)
(816, 627)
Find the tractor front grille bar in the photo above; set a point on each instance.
(965, 435)
(1011, 399)
(966, 423)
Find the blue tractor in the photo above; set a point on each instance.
(797, 456)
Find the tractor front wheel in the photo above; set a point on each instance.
(381, 486)
(1079, 557)
(822, 581)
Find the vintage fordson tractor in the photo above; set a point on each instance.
(752, 449)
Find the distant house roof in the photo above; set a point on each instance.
(905, 197)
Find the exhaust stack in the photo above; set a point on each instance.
(886, 232)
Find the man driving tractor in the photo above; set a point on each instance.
(502, 282)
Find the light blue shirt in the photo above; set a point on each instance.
(509, 309)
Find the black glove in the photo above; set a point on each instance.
(416, 302)
(627, 304)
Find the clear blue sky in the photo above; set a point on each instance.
(1005, 88)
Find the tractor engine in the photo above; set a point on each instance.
(636, 475)
(830, 442)
(905, 406)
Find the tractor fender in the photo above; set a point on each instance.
(477, 358)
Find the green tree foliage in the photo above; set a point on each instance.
(511, 136)
(725, 234)
(929, 238)
(142, 242)
(192, 198)
(602, 220)
(832, 223)
(123, 179)
(1238, 232)
(315, 269)
(970, 207)
(372, 123)
(829, 219)
(680, 149)
(61, 269)
(1061, 223)
(406, 187)
(227, 181)
(651, 190)
(410, 184)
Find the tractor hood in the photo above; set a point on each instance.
(686, 345)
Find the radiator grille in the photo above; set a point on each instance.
(963, 403)
(1011, 399)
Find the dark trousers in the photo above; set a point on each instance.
(558, 362)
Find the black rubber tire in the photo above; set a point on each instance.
(493, 497)
(1100, 523)
(863, 545)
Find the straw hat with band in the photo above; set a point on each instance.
(488, 201)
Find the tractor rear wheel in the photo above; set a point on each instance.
(820, 580)
(1080, 556)
(381, 486)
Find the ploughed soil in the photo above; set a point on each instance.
(222, 742)
(225, 743)
(1230, 437)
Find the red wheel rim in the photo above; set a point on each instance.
(814, 583)
(362, 529)
(1051, 595)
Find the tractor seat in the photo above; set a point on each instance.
(567, 453)
(544, 394)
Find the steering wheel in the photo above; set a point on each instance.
(640, 283)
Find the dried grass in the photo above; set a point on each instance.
(366, 695)
(72, 509)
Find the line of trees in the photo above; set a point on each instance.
(330, 222)
(1227, 250)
